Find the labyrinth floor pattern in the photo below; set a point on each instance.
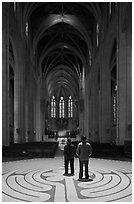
(40, 180)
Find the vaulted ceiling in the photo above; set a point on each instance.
(62, 35)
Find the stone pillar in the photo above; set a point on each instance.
(19, 93)
(30, 109)
(5, 74)
(90, 104)
(37, 114)
(124, 88)
(86, 112)
(43, 105)
(81, 104)
(129, 85)
(81, 116)
(124, 73)
(26, 115)
(105, 101)
(128, 136)
(95, 105)
(27, 95)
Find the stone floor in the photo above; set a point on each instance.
(42, 180)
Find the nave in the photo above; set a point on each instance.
(66, 72)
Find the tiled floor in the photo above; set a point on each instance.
(39, 180)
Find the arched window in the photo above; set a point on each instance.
(110, 9)
(115, 106)
(61, 107)
(26, 31)
(14, 7)
(70, 107)
(97, 34)
(53, 107)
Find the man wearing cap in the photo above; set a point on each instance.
(69, 153)
(83, 151)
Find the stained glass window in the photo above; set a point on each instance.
(61, 107)
(53, 107)
(70, 107)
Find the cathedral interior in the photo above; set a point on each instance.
(66, 72)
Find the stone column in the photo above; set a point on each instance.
(124, 88)
(27, 91)
(26, 115)
(90, 104)
(5, 74)
(124, 73)
(30, 109)
(19, 93)
(95, 105)
(81, 104)
(43, 106)
(86, 115)
(37, 134)
(129, 85)
(122, 69)
(104, 101)
(128, 136)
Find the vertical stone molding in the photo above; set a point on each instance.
(124, 81)
(5, 74)
(37, 134)
(105, 100)
(19, 93)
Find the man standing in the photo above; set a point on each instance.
(69, 153)
(84, 151)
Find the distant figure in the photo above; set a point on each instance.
(69, 153)
(83, 151)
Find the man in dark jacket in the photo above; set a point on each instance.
(69, 153)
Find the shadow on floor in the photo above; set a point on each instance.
(85, 180)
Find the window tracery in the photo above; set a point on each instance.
(53, 107)
(70, 107)
(61, 107)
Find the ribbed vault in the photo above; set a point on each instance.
(62, 38)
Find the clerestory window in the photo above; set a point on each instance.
(53, 107)
(70, 107)
(61, 107)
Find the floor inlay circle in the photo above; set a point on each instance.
(52, 185)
